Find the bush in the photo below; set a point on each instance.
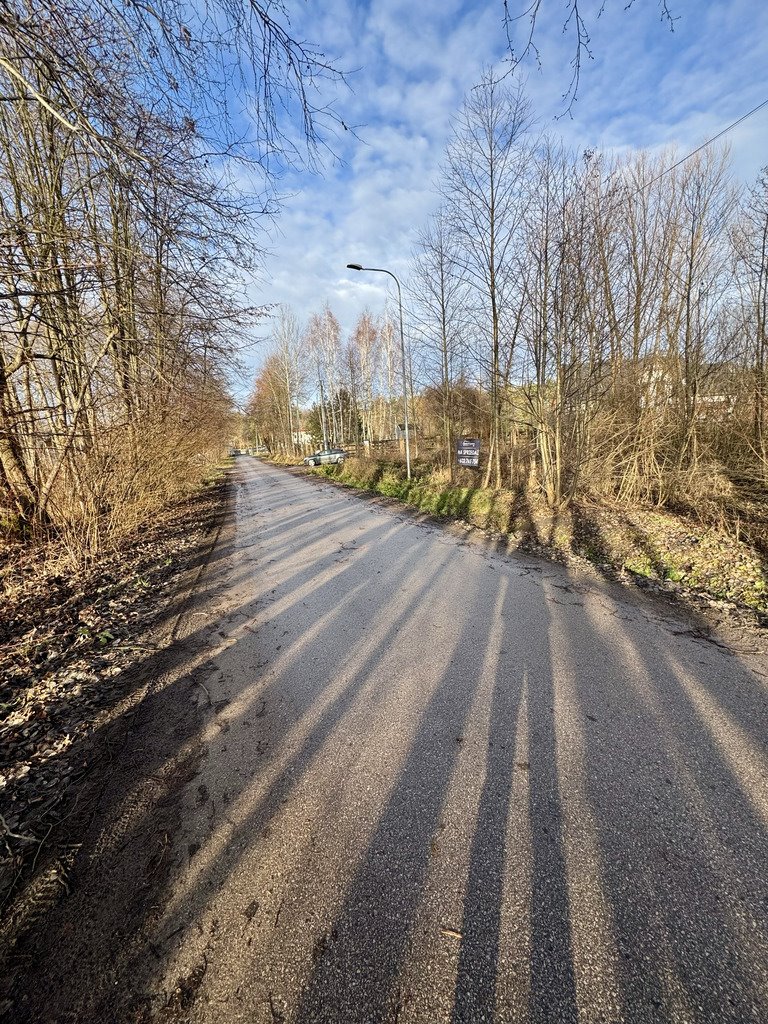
(361, 472)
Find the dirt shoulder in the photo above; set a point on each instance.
(94, 748)
(717, 559)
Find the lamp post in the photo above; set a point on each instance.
(378, 270)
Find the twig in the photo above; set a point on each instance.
(39, 848)
(162, 942)
(12, 887)
(279, 909)
(15, 835)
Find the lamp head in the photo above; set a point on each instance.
(354, 266)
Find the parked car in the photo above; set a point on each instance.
(326, 456)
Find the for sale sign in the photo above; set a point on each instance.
(468, 451)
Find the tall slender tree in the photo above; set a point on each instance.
(484, 203)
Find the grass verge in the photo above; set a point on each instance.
(677, 551)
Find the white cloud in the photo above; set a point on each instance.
(646, 87)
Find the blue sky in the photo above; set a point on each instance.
(411, 64)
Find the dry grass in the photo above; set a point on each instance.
(118, 487)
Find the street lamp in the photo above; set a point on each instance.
(378, 270)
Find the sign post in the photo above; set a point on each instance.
(468, 451)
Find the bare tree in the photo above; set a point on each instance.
(701, 261)
(578, 17)
(751, 250)
(125, 236)
(439, 292)
(484, 202)
(293, 362)
(118, 290)
(183, 58)
(323, 342)
(365, 358)
(392, 373)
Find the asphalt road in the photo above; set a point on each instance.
(447, 784)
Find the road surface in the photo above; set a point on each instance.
(443, 783)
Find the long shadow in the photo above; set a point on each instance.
(682, 844)
(481, 926)
(664, 802)
(174, 657)
(592, 544)
(60, 775)
(553, 983)
(704, 647)
(355, 973)
(132, 704)
(522, 520)
(542, 989)
(678, 845)
(261, 812)
(273, 554)
(649, 769)
(112, 740)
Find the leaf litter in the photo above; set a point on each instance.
(69, 639)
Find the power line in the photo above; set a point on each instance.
(704, 145)
(682, 160)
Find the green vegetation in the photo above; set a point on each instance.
(217, 473)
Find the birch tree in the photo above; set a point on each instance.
(365, 340)
(323, 340)
(292, 365)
